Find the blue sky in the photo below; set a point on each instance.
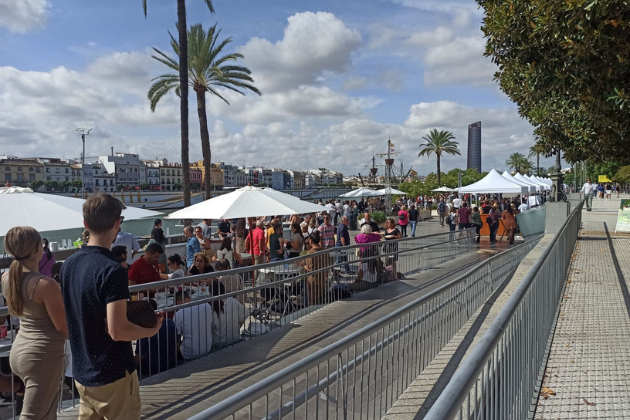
(338, 79)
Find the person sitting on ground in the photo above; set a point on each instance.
(228, 316)
(176, 266)
(120, 255)
(158, 353)
(228, 253)
(370, 273)
(201, 265)
(232, 282)
(194, 325)
(145, 269)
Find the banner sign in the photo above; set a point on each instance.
(623, 220)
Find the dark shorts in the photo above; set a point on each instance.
(463, 226)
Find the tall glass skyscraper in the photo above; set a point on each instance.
(474, 147)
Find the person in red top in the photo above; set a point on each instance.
(146, 268)
(464, 217)
(257, 246)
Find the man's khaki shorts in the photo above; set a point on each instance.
(118, 400)
(260, 259)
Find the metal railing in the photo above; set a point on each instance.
(362, 375)
(204, 320)
(500, 377)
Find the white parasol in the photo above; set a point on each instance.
(360, 192)
(48, 212)
(247, 202)
(392, 191)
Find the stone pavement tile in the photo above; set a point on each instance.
(589, 360)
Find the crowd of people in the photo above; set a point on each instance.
(84, 300)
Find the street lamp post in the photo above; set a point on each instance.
(84, 132)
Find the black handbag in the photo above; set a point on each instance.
(141, 313)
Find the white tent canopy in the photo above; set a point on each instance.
(393, 191)
(445, 189)
(524, 180)
(494, 183)
(247, 202)
(360, 192)
(48, 212)
(506, 175)
(543, 185)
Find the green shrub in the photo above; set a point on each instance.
(379, 217)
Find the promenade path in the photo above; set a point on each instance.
(588, 371)
(195, 386)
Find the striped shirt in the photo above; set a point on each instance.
(327, 235)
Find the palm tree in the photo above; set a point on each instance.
(516, 161)
(182, 27)
(209, 68)
(439, 142)
(536, 150)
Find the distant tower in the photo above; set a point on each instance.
(474, 147)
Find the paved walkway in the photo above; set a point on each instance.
(189, 389)
(588, 371)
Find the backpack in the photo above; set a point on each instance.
(401, 217)
(450, 219)
(441, 207)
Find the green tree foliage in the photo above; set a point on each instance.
(623, 175)
(566, 64)
(36, 185)
(182, 27)
(209, 68)
(439, 142)
(519, 163)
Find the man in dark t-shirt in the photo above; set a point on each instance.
(95, 293)
(413, 219)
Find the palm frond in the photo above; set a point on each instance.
(210, 6)
(166, 60)
(160, 88)
(144, 7)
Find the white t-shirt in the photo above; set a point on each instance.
(457, 203)
(128, 241)
(228, 255)
(332, 210)
(522, 207)
(226, 328)
(179, 273)
(346, 210)
(195, 324)
(588, 188)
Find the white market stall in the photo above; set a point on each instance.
(541, 184)
(445, 189)
(506, 175)
(494, 183)
(521, 178)
(392, 191)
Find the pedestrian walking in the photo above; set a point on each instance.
(413, 219)
(587, 192)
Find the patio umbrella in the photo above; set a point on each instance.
(392, 191)
(360, 192)
(247, 202)
(445, 189)
(48, 212)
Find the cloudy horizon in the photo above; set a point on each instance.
(337, 80)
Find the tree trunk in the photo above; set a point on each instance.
(205, 139)
(183, 86)
(438, 172)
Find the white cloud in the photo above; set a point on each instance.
(314, 45)
(440, 35)
(23, 15)
(381, 35)
(462, 16)
(355, 83)
(459, 61)
(304, 102)
(391, 79)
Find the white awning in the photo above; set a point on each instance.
(494, 183)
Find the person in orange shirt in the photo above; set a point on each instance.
(509, 222)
